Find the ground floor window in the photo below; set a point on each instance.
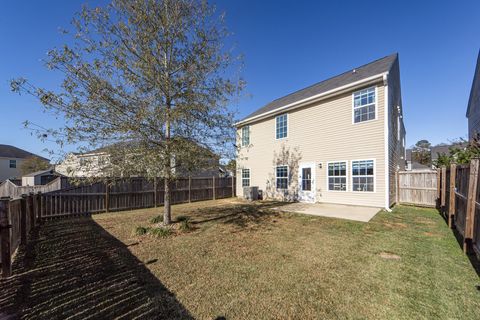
(363, 178)
(282, 177)
(337, 176)
(245, 177)
(307, 179)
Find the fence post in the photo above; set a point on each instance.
(233, 186)
(39, 206)
(444, 187)
(107, 196)
(31, 210)
(451, 208)
(23, 219)
(5, 237)
(214, 195)
(471, 201)
(397, 187)
(189, 189)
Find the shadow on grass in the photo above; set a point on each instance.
(240, 215)
(74, 268)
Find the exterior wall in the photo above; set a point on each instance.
(474, 104)
(396, 131)
(28, 181)
(6, 172)
(71, 167)
(319, 133)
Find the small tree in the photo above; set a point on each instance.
(421, 152)
(154, 74)
(33, 164)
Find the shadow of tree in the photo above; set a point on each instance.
(243, 215)
(74, 268)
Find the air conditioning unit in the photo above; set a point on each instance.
(250, 193)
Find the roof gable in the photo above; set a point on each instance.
(357, 74)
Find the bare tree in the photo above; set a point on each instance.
(151, 76)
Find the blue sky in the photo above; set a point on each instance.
(287, 46)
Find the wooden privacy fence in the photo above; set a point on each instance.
(417, 187)
(20, 215)
(459, 201)
(133, 193)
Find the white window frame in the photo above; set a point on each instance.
(374, 175)
(353, 105)
(346, 176)
(249, 176)
(288, 180)
(288, 125)
(243, 144)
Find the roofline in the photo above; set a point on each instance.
(314, 98)
(473, 84)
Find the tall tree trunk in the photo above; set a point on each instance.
(167, 212)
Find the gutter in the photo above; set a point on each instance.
(315, 98)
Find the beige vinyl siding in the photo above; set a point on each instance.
(396, 150)
(322, 132)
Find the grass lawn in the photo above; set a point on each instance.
(245, 261)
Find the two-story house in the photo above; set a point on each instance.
(11, 159)
(473, 108)
(338, 141)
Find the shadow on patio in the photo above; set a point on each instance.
(74, 268)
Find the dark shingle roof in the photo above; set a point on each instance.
(8, 151)
(368, 70)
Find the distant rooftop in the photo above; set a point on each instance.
(7, 151)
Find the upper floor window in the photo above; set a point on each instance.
(364, 102)
(281, 175)
(245, 177)
(13, 164)
(281, 126)
(245, 136)
(363, 176)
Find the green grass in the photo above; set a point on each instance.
(244, 261)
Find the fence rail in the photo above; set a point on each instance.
(19, 216)
(459, 202)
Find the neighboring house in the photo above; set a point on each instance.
(38, 178)
(96, 162)
(338, 141)
(473, 108)
(10, 160)
(412, 164)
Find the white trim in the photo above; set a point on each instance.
(387, 156)
(353, 105)
(346, 177)
(288, 173)
(288, 126)
(319, 96)
(374, 175)
(313, 179)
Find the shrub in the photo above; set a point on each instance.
(160, 232)
(140, 231)
(157, 219)
(185, 225)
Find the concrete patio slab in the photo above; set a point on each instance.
(355, 213)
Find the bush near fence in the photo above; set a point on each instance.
(19, 216)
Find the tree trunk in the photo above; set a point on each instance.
(167, 212)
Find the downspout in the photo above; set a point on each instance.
(386, 132)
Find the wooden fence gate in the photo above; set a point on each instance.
(417, 188)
